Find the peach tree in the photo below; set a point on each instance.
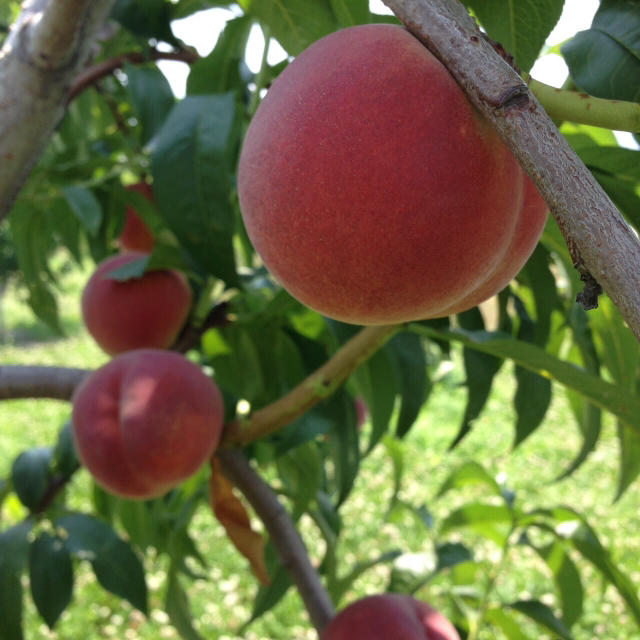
(100, 158)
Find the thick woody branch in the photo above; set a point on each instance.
(46, 48)
(602, 245)
(286, 539)
(318, 386)
(57, 383)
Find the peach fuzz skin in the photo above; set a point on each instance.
(389, 617)
(145, 422)
(136, 235)
(145, 312)
(374, 192)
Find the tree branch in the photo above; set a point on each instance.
(46, 48)
(286, 539)
(18, 381)
(318, 386)
(576, 106)
(58, 383)
(601, 243)
(93, 74)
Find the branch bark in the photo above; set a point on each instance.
(601, 243)
(93, 74)
(284, 535)
(57, 383)
(46, 48)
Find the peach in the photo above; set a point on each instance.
(136, 235)
(145, 312)
(372, 189)
(145, 422)
(389, 617)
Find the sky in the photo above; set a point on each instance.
(201, 30)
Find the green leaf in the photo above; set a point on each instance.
(85, 206)
(343, 444)
(136, 516)
(395, 450)
(10, 605)
(406, 352)
(506, 623)
(146, 18)
(30, 474)
(451, 554)
(543, 615)
(14, 549)
(470, 474)
(488, 520)
(117, 567)
(65, 460)
(130, 270)
(377, 382)
(50, 576)
(569, 525)
(151, 97)
(605, 59)
(294, 23)
(269, 596)
(480, 370)
(221, 70)
(236, 361)
(567, 579)
(603, 394)
(192, 160)
(351, 12)
(177, 607)
(342, 585)
(520, 27)
(531, 401)
(185, 8)
(410, 572)
(33, 243)
(301, 473)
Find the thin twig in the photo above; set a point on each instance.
(92, 75)
(284, 535)
(605, 249)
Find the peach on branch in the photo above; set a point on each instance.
(389, 617)
(136, 235)
(144, 312)
(373, 190)
(145, 422)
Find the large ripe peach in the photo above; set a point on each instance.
(372, 189)
(136, 235)
(145, 312)
(389, 617)
(146, 421)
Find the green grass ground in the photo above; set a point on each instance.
(222, 603)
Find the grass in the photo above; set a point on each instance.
(223, 602)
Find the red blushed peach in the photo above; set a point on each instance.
(136, 235)
(389, 617)
(145, 422)
(145, 312)
(372, 189)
